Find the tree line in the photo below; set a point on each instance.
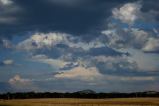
(91, 95)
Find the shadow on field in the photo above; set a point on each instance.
(4, 105)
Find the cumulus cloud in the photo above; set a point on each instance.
(127, 13)
(18, 80)
(42, 40)
(21, 84)
(121, 37)
(152, 46)
(126, 38)
(52, 39)
(80, 73)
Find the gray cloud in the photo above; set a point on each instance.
(6, 2)
(8, 11)
(5, 44)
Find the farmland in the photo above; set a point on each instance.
(82, 102)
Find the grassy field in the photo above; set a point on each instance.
(82, 102)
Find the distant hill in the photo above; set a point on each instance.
(151, 92)
(87, 91)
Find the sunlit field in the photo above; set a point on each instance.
(82, 102)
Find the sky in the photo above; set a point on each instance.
(72, 45)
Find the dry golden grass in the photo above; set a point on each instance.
(82, 102)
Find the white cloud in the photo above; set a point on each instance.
(52, 62)
(128, 13)
(80, 73)
(130, 78)
(20, 84)
(152, 45)
(49, 40)
(8, 62)
(42, 40)
(18, 80)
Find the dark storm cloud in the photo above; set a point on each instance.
(47, 15)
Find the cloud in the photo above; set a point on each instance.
(4, 43)
(64, 47)
(92, 74)
(6, 2)
(8, 10)
(80, 73)
(152, 46)
(128, 13)
(42, 40)
(7, 62)
(20, 84)
(68, 52)
(52, 62)
(122, 36)
(18, 80)
(130, 78)
(127, 38)
(119, 65)
(146, 62)
(103, 51)
(7, 20)
(88, 56)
